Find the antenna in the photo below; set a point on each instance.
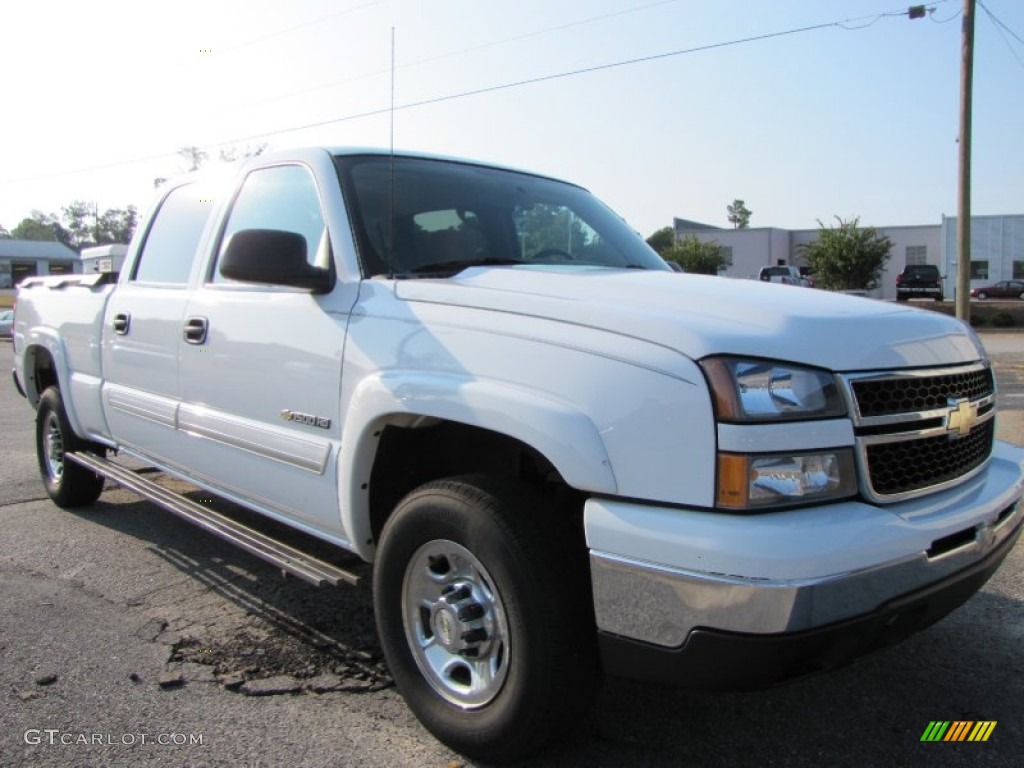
(391, 167)
(392, 108)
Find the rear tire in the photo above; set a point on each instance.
(484, 612)
(67, 483)
(982, 295)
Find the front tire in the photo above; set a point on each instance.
(982, 295)
(67, 483)
(485, 615)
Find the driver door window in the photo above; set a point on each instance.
(284, 198)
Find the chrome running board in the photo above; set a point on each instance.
(287, 558)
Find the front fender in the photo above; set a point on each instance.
(562, 434)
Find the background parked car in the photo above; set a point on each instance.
(1004, 289)
(919, 281)
(6, 322)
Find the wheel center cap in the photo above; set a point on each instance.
(446, 627)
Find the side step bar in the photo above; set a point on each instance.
(288, 559)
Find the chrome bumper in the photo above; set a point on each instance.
(662, 604)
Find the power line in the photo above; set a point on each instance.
(450, 54)
(999, 23)
(956, 15)
(999, 27)
(487, 89)
(296, 27)
(562, 75)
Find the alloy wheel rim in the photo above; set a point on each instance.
(455, 624)
(53, 447)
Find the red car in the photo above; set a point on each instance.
(1004, 289)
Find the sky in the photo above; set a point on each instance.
(804, 109)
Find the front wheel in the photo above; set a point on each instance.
(982, 295)
(484, 613)
(67, 483)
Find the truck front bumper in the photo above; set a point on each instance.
(721, 601)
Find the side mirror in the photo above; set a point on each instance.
(275, 257)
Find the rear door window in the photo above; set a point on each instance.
(170, 246)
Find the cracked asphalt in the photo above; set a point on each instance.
(127, 636)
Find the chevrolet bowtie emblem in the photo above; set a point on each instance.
(962, 416)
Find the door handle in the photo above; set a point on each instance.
(122, 322)
(195, 330)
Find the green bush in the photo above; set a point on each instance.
(1002, 320)
(977, 320)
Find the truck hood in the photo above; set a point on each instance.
(698, 315)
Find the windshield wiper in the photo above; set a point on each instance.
(455, 266)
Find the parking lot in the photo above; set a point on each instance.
(122, 627)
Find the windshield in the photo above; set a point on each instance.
(424, 218)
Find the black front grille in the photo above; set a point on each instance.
(911, 394)
(911, 465)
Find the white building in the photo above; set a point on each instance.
(103, 258)
(997, 249)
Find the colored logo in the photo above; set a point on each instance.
(959, 730)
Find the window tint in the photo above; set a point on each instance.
(449, 234)
(173, 237)
(417, 216)
(284, 198)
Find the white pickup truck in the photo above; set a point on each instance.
(561, 457)
(787, 275)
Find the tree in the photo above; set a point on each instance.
(116, 225)
(41, 226)
(194, 157)
(80, 225)
(739, 214)
(4, 234)
(80, 220)
(233, 154)
(662, 240)
(698, 257)
(549, 227)
(847, 257)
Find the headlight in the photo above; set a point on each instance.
(756, 481)
(762, 390)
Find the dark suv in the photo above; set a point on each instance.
(919, 281)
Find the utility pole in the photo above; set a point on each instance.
(963, 207)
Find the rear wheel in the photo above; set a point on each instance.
(484, 613)
(982, 295)
(67, 483)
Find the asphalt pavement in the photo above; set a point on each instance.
(121, 626)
